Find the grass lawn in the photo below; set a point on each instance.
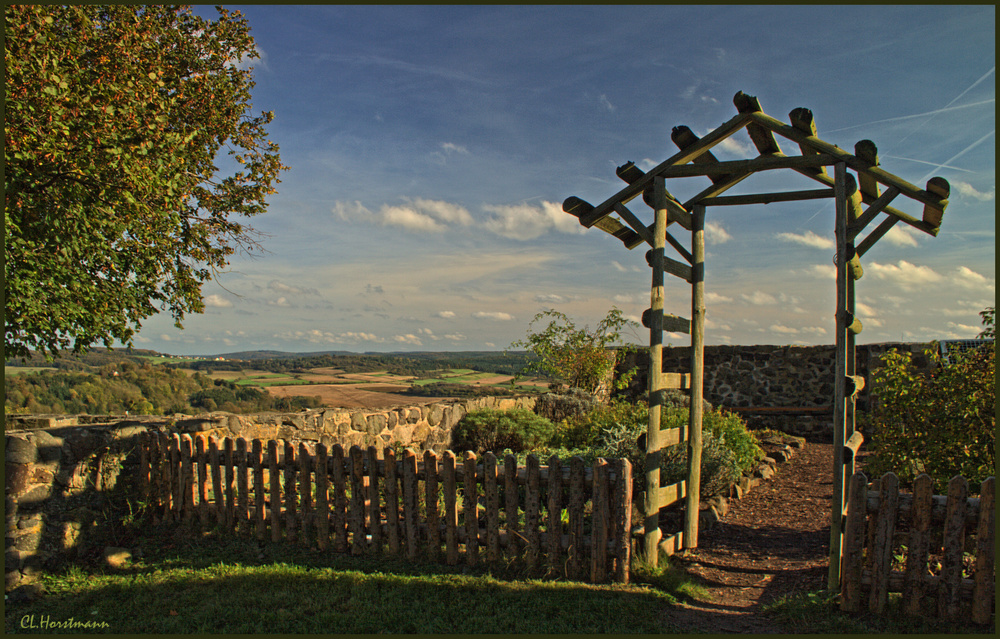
(236, 586)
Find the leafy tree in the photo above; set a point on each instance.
(580, 357)
(989, 329)
(115, 119)
(943, 424)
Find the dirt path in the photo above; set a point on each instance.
(773, 542)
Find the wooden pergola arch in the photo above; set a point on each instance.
(859, 201)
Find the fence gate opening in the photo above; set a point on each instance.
(850, 193)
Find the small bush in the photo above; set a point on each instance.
(493, 430)
(943, 425)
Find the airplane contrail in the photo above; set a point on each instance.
(916, 115)
(959, 154)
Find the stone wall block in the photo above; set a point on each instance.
(20, 450)
(375, 423)
(18, 477)
(391, 419)
(435, 414)
(358, 422)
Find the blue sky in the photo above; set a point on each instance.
(431, 149)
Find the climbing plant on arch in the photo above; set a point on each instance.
(859, 201)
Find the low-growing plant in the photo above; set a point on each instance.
(495, 430)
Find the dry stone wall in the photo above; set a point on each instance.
(70, 479)
(775, 376)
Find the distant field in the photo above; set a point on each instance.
(24, 370)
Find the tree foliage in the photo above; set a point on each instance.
(579, 357)
(115, 120)
(943, 424)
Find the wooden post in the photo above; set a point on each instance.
(274, 475)
(144, 471)
(599, 524)
(431, 501)
(187, 477)
(258, 489)
(470, 505)
(450, 510)
(919, 544)
(954, 542)
(881, 549)
(322, 497)
(651, 506)
(532, 512)
(374, 506)
(391, 500)
(201, 459)
(410, 502)
(217, 494)
(576, 502)
(984, 588)
(492, 492)
(291, 521)
(840, 382)
(242, 486)
(696, 407)
(305, 495)
(854, 539)
(356, 516)
(623, 520)
(339, 498)
(554, 525)
(230, 463)
(511, 506)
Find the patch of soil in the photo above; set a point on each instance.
(773, 542)
(355, 395)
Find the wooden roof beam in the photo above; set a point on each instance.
(577, 207)
(761, 137)
(884, 177)
(767, 198)
(802, 119)
(684, 137)
(715, 137)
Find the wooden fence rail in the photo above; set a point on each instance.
(935, 533)
(567, 518)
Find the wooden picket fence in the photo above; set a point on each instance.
(936, 534)
(571, 519)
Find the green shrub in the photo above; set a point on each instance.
(586, 430)
(494, 430)
(728, 450)
(943, 424)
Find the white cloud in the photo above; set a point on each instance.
(281, 301)
(809, 239)
(493, 315)
(967, 278)
(715, 234)
(416, 215)
(217, 301)
(715, 298)
(281, 287)
(316, 336)
(409, 338)
(814, 330)
(551, 298)
(456, 337)
(905, 274)
(826, 271)
(454, 148)
(759, 298)
(901, 235)
(526, 222)
(623, 299)
(967, 189)
(788, 330)
(445, 314)
(606, 103)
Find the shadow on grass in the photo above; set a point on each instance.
(234, 586)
